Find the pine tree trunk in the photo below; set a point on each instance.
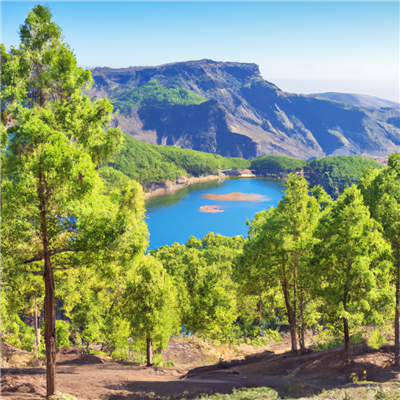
(38, 335)
(346, 335)
(294, 318)
(35, 324)
(346, 325)
(50, 328)
(149, 352)
(302, 340)
(292, 321)
(259, 308)
(49, 300)
(397, 314)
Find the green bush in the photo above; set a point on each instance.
(355, 339)
(379, 392)
(261, 393)
(376, 340)
(62, 334)
(100, 353)
(331, 344)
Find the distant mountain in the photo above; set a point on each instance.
(227, 108)
(359, 100)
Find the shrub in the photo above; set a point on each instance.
(62, 334)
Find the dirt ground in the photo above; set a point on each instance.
(198, 369)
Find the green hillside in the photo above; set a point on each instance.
(277, 163)
(342, 171)
(146, 162)
(153, 93)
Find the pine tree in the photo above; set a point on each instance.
(350, 261)
(52, 202)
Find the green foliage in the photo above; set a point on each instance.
(381, 191)
(387, 391)
(335, 342)
(376, 340)
(146, 162)
(62, 334)
(98, 352)
(350, 262)
(112, 178)
(52, 198)
(261, 393)
(13, 329)
(276, 254)
(337, 172)
(153, 93)
(328, 345)
(342, 171)
(277, 163)
(150, 303)
(63, 396)
(202, 273)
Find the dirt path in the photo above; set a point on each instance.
(112, 381)
(90, 377)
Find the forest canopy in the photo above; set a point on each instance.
(277, 163)
(342, 171)
(145, 162)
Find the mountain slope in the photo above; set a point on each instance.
(359, 100)
(245, 115)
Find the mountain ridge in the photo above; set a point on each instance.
(245, 115)
(360, 100)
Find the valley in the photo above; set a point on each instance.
(191, 231)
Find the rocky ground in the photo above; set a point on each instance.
(199, 368)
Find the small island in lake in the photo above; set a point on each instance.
(234, 196)
(210, 209)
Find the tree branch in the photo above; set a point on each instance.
(41, 256)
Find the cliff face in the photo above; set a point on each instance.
(246, 116)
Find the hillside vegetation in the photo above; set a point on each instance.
(153, 93)
(277, 163)
(146, 162)
(342, 171)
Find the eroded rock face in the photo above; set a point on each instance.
(247, 116)
(201, 127)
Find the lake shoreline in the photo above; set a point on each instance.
(178, 216)
(156, 189)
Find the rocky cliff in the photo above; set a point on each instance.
(245, 115)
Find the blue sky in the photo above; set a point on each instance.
(303, 47)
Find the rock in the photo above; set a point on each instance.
(20, 360)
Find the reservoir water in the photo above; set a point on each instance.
(176, 217)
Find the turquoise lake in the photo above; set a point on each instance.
(176, 217)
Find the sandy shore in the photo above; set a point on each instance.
(211, 209)
(155, 189)
(234, 196)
